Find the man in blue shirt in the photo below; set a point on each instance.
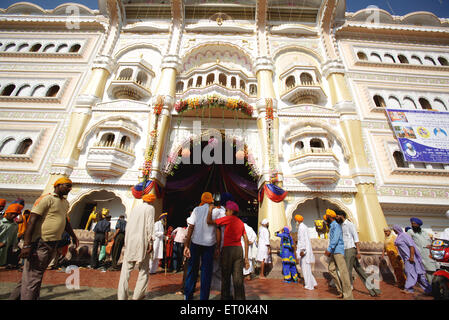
(336, 254)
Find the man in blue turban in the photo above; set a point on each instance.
(423, 241)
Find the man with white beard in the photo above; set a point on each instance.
(305, 254)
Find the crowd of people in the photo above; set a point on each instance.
(215, 244)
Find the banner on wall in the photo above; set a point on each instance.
(423, 135)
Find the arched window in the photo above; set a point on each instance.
(39, 91)
(316, 143)
(63, 48)
(242, 85)
(299, 146)
(142, 78)
(379, 101)
(179, 86)
(125, 74)
(409, 103)
(7, 91)
(52, 91)
(416, 60)
(290, 82)
(199, 81)
(429, 61)
(10, 46)
(375, 57)
(233, 82)
(125, 142)
(305, 78)
(49, 48)
(439, 105)
(389, 58)
(24, 91)
(362, 56)
(190, 83)
(22, 47)
(75, 48)
(443, 61)
(393, 102)
(252, 89)
(36, 47)
(402, 58)
(424, 103)
(222, 79)
(399, 159)
(24, 146)
(210, 79)
(107, 140)
(7, 146)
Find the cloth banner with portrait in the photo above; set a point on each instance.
(423, 135)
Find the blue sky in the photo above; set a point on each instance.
(396, 7)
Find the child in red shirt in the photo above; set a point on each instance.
(232, 261)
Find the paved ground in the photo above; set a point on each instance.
(97, 285)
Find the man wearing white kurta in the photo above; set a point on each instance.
(263, 247)
(158, 243)
(138, 248)
(305, 254)
(252, 249)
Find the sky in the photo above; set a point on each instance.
(395, 7)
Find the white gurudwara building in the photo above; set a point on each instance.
(239, 96)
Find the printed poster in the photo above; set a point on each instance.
(423, 135)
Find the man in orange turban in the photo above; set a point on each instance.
(8, 235)
(138, 248)
(47, 223)
(199, 247)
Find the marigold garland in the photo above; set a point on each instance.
(214, 101)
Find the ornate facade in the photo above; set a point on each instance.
(88, 93)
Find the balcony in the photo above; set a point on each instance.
(317, 166)
(304, 92)
(108, 161)
(127, 88)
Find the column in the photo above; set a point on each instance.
(371, 219)
(274, 212)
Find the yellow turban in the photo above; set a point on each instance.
(299, 218)
(14, 208)
(149, 198)
(206, 197)
(163, 215)
(62, 181)
(331, 213)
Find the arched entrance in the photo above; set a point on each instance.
(226, 173)
(79, 214)
(313, 209)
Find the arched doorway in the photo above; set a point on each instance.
(79, 214)
(313, 209)
(184, 188)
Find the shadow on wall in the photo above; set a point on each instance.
(80, 212)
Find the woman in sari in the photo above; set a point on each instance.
(288, 256)
(393, 255)
(413, 265)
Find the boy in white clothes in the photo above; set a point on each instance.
(263, 247)
(305, 254)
